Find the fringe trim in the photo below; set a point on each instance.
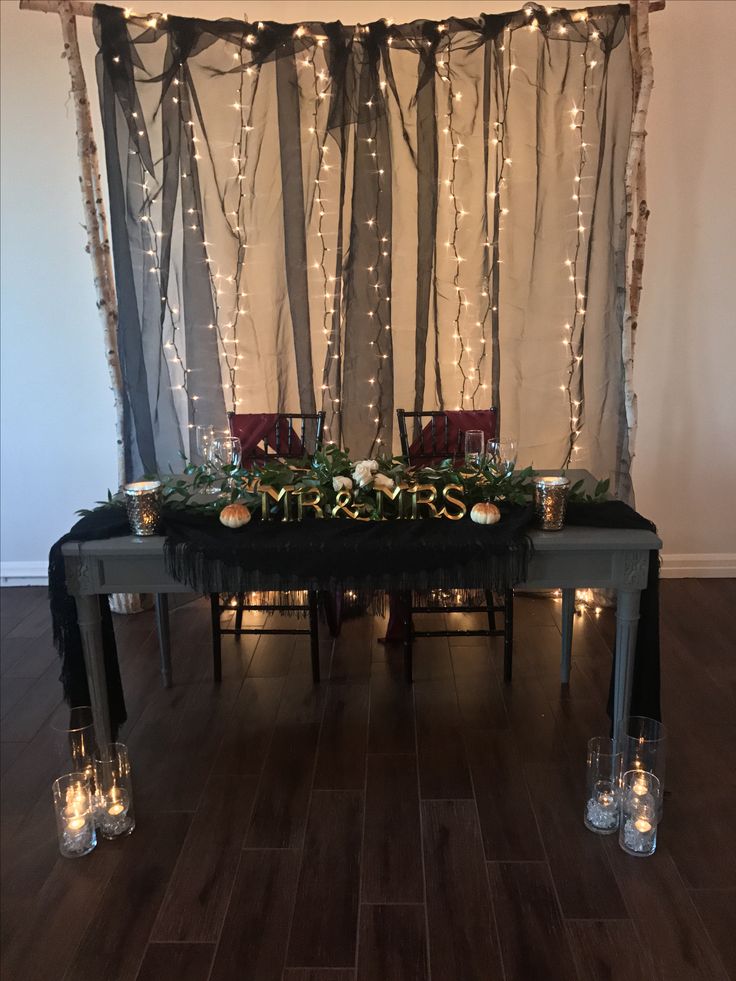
(457, 585)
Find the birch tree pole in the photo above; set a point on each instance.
(90, 183)
(637, 211)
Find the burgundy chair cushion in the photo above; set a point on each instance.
(457, 422)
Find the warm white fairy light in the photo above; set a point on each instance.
(461, 360)
(228, 325)
(573, 339)
(320, 82)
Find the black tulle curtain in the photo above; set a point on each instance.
(365, 218)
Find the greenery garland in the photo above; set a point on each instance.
(326, 469)
(330, 468)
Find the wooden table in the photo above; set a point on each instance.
(568, 560)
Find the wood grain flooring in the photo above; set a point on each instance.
(362, 830)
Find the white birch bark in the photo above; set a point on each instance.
(637, 211)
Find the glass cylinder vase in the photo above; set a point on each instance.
(74, 741)
(603, 786)
(640, 813)
(643, 743)
(74, 806)
(115, 814)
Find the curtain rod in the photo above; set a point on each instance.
(85, 8)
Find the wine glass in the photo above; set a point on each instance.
(474, 447)
(225, 451)
(502, 456)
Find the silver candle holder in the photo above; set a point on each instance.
(143, 504)
(550, 501)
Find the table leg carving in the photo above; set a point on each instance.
(164, 640)
(568, 619)
(90, 629)
(627, 620)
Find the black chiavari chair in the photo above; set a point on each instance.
(282, 439)
(438, 437)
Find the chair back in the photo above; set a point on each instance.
(441, 434)
(274, 434)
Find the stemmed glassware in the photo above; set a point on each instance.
(225, 451)
(501, 456)
(204, 436)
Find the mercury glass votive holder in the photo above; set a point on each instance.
(640, 813)
(603, 786)
(74, 738)
(143, 503)
(115, 814)
(74, 806)
(550, 501)
(643, 743)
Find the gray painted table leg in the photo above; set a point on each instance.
(568, 618)
(627, 620)
(164, 640)
(90, 628)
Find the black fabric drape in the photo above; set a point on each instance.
(341, 554)
(282, 199)
(105, 523)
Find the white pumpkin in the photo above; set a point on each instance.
(485, 513)
(234, 515)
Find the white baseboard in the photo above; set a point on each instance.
(24, 573)
(714, 565)
(692, 565)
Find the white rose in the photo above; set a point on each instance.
(381, 480)
(364, 471)
(342, 483)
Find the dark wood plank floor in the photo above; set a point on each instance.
(365, 831)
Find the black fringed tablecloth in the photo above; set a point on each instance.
(368, 557)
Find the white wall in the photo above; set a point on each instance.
(57, 421)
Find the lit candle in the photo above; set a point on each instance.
(639, 835)
(116, 804)
(75, 826)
